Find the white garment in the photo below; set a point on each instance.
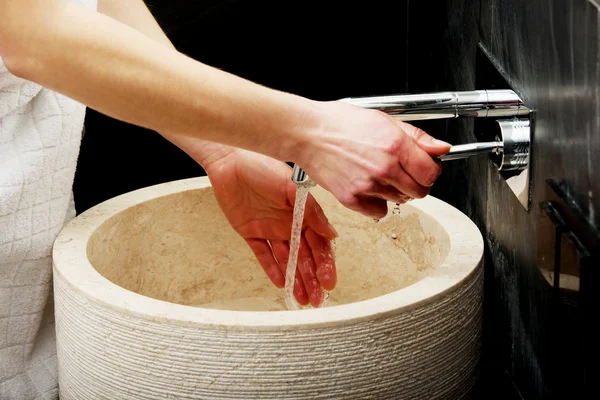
(40, 135)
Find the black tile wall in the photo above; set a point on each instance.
(548, 52)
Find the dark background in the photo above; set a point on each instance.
(546, 50)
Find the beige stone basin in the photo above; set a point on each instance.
(157, 297)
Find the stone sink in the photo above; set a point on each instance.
(157, 297)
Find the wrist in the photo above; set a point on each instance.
(302, 132)
(211, 155)
(205, 153)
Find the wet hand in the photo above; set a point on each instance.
(257, 196)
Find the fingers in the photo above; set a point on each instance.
(431, 146)
(307, 269)
(403, 183)
(282, 253)
(315, 218)
(421, 167)
(319, 235)
(308, 280)
(392, 191)
(374, 202)
(324, 258)
(370, 206)
(418, 155)
(264, 255)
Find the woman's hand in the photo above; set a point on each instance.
(257, 196)
(365, 157)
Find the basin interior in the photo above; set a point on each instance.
(180, 248)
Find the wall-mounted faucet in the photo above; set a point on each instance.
(510, 146)
(475, 103)
(300, 177)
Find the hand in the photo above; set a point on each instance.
(366, 157)
(257, 196)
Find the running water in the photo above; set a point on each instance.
(395, 213)
(290, 274)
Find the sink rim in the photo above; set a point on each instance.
(72, 266)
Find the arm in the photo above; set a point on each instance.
(136, 14)
(363, 157)
(134, 77)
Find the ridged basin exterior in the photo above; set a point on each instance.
(419, 342)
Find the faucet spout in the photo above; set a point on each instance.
(475, 103)
(300, 178)
(412, 107)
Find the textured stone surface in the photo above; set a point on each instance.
(159, 249)
(420, 342)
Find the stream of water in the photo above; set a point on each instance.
(290, 275)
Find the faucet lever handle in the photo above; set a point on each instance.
(472, 149)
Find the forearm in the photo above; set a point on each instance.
(135, 14)
(128, 75)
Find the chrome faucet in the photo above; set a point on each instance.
(412, 107)
(300, 178)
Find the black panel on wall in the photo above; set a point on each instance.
(547, 51)
(321, 50)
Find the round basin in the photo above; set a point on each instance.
(157, 297)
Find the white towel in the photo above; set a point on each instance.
(40, 134)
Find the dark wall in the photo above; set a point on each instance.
(548, 52)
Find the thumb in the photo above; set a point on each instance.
(315, 218)
(427, 143)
